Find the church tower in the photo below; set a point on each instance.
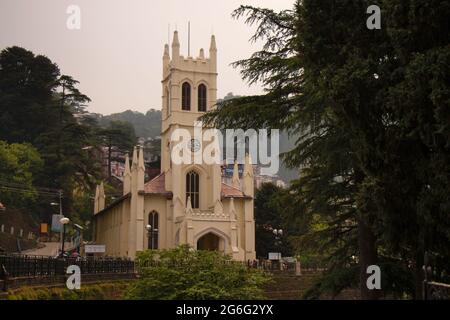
(189, 90)
(188, 203)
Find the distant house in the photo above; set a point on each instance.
(2, 207)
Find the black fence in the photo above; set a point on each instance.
(14, 266)
(433, 290)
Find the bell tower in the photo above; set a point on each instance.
(189, 89)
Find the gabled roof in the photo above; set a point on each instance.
(232, 192)
(157, 186)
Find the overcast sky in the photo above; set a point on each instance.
(117, 53)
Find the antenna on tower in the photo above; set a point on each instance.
(168, 33)
(189, 39)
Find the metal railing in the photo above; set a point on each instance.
(433, 290)
(14, 266)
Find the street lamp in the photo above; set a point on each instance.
(278, 232)
(63, 221)
(150, 231)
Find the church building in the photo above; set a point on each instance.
(187, 203)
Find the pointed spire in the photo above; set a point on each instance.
(213, 46)
(134, 165)
(213, 54)
(248, 183)
(175, 46)
(202, 54)
(166, 51)
(127, 176)
(141, 158)
(235, 181)
(248, 167)
(127, 171)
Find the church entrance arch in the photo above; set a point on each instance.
(211, 241)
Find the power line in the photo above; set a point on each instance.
(28, 191)
(20, 185)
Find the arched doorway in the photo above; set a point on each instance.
(211, 242)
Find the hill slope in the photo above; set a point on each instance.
(145, 125)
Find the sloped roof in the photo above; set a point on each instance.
(157, 186)
(231, 192)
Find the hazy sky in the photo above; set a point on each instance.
(117, 53)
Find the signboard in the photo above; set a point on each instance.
(56, 225)
(44, 228)
(90, 248)
(274, 256)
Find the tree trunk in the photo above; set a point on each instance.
(367, 257)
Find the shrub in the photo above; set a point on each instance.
(186, 274)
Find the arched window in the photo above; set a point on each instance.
(167, 102)
(153, 230)
(186, 97)
(193, 188)
(202, 98)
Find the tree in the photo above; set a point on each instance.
(19, 165)
(368, 108)
(269, 209)
(45, 109)
(187, 274)
(27, 87)
(120, 138)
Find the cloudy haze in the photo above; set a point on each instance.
(117, 53)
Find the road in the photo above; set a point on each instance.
(50, 249)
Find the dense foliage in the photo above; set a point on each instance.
(270, 215)
(186, 274)
(371, 110)
(50, 142)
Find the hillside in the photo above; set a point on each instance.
(18, 220)
(149, 126)
(145, 125)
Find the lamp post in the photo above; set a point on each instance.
(63, 221)
(150, 231)
(278, 233)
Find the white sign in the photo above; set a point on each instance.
(95, 248)
(274, 256)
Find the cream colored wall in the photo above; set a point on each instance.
(112, 229)
(122, 228)
(158, 204)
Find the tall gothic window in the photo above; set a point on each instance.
(186, 97)
(193, 188)
(153, 231)
(202, 98)
(167, 103)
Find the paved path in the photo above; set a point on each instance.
(50, 249)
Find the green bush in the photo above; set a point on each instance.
(187, 274)
(102, 291)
